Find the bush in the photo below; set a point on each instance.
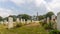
(19, 25)
(46, 26)
(49, 26)
(42, 23)
(54, 32)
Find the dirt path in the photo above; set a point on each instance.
(33, 24)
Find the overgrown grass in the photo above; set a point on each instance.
(23, 30)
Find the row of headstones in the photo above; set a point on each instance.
(11, 20)
(10, 23)
(55, 20)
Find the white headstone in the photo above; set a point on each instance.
(18, 20)
(33, 21)
(5, 22)
(53, 20)
(10, 22)
(58, 21)
(21, 20)
(24, 21)
(28, 21)
(53, 17)
(1, 22)
(48, 20)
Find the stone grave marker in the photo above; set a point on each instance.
(1, 22)
(5, 22)
(33, 21)
(53, 20)
(21, 20)
(58, 21)
(48, 20)
(24, 21)
(18, 21)
(10, 22)
(28, 21)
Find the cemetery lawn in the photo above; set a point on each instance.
(24, 30)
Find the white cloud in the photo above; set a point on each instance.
(3, 0)
(51, 6)
(55, 6)
(5, 12)
(38, 2)
(17, 1)
(55, 3)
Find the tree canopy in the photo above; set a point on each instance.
(26, 16)
(49, 14)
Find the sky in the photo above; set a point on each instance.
(30, 7)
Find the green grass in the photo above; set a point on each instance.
(24, 30)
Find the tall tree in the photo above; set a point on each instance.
(49, 14)
(1, 18)
(41, 17)
(24, 16)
